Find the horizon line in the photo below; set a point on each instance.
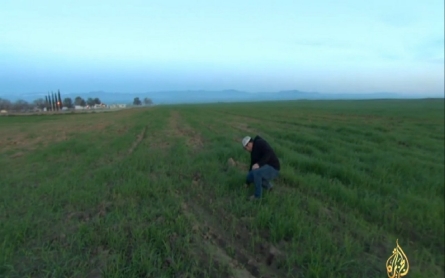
(221, 90)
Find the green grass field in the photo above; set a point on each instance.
(150, 192)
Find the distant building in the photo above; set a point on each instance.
(3, 112)
(78, 107)
(115, 106)
(99, 106)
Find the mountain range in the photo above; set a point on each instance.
(201, 96)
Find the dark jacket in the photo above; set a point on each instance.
(262, 153)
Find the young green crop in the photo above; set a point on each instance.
(149, 192)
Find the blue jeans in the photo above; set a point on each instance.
(261, 177)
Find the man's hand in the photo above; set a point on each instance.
(255, 166)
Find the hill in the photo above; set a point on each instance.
(202, 96)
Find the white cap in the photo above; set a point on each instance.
(246, 140)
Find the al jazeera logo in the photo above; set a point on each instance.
(397, 264)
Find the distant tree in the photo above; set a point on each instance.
(79, 101)
(20, 105)
(137, 101)
(90, 102)
(59, 99)
(68, 102)
(148, 101)
(5, 104)
(97, 101)
(47, 103)
(53, 102)
(39, 103)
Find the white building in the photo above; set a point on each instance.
(99, 106)
(115, 106)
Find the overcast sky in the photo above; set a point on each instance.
(138, 46)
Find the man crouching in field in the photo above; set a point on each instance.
(264, 164)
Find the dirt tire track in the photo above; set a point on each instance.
(241, 264)
(220, 264)
(209, 249)
(179, 129)
(266, 259)
(138, 140)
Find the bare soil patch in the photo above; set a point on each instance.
(239, 165)
(17, 154)
(85, 216)
(28, 141)
(30, 136)
(242, 127)
(100, 258)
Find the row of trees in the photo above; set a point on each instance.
(53, 100)
(81, 102)
(19, 105)
(41, 103)
(147, 101)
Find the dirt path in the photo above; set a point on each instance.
(265, 260)
(210, 244)
(178, 128)
(138, 140)
(231, 238)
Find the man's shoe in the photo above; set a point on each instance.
(253, 198)
(268, 188)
